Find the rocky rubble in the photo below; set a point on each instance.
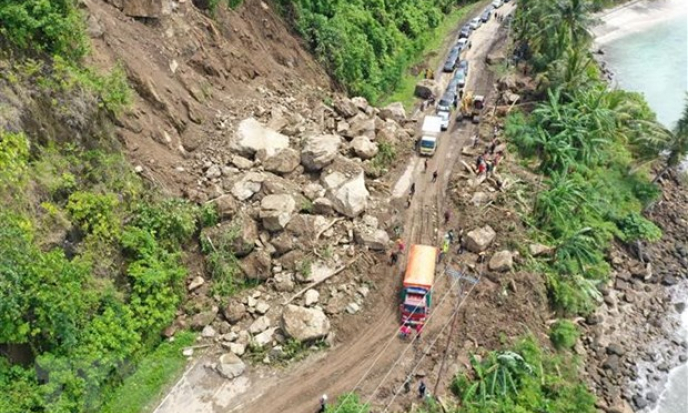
(293, 201)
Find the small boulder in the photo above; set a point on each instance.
(353, 308)
(345, 107)
(257, 266)
(361, 127)
(311, 297)
(501, 261)
(226, 206)
(363, 147)
(202, 319)
(252, 137)
(374, 239)
(394, 111)
(283, 162)
(262, 307)
(208, 332)
(230, 366)
(319, 151)
(265, 338)
(284, 282)
(234, 312)
(345, 184)
(537, 250)
(276, 211)
(196, 282)
(242, 163)
(237, 348)
(305, 324)
(480, 238)
(247, 186)
(259, 325)
(323, 206)
(283, 243)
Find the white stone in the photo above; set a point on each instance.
(259, 325)
(311, 297)
(252, 137)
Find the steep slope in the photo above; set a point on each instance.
(194, 76)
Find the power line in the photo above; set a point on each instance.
(394, 335)
(430, 346)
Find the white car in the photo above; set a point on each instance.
(475, 23)
(444, 115)
(497, 4)
(463, 44)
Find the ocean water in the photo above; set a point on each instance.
(653, 60)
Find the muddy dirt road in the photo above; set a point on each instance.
(368, 357)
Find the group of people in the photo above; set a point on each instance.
(394, 255)
(412, 189)
(486, 163)
(421, 387)
(405, 330)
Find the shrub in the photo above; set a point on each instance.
(635, 227)
(52, 26)
(14, 157)
(563, 334)
(95, 213)
(172, 221)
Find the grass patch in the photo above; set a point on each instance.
(141, 391)
(403, 92)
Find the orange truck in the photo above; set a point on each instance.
(416, 297)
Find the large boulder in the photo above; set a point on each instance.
(283, 162)
(425, 89)
(319, 151)
(226, 206)
(305, 324)
(361, 126)
(252, 137)
(276, 211)
(501, 261)
(230, 366)
(363, 147)
(345, 184)
(151, 9)
(257, 266)
(480, 238)
(394, 111)
(345, 107)
(247, 186)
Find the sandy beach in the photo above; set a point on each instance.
(635, 17)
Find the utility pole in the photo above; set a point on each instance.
(462, 278)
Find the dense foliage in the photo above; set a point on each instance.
(52, 26)
(590, 144)
(366, 44)
(523, 379)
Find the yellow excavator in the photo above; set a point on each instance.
(471, 107)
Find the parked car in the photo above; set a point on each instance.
(485, 17)
(465, 31)
(497, 3)
(475, 23)
(450, 63)
(453, 86)
(463, 66)
(460, 78)
(446, 102)
(463, 44)
(445, 116)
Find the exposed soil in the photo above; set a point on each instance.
(367, 356)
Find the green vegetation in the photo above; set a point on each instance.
(525, 378)
(367, 45)
(403, 90)
(91, 269)
(591, 144)
(563, 334)
(152, 375)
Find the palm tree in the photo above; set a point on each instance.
(558, 203)
(576, 21)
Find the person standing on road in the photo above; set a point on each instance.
(413, 189)
(434, 176)
(401, 245)
(426, 166)
(447, 216)
(421, 389)
(393, 258)
(323, 404)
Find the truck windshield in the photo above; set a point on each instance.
(427, 144)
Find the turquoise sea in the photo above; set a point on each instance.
(654, 61)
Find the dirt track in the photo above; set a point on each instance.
(368, 350)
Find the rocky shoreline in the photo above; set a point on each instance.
(632, 340)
